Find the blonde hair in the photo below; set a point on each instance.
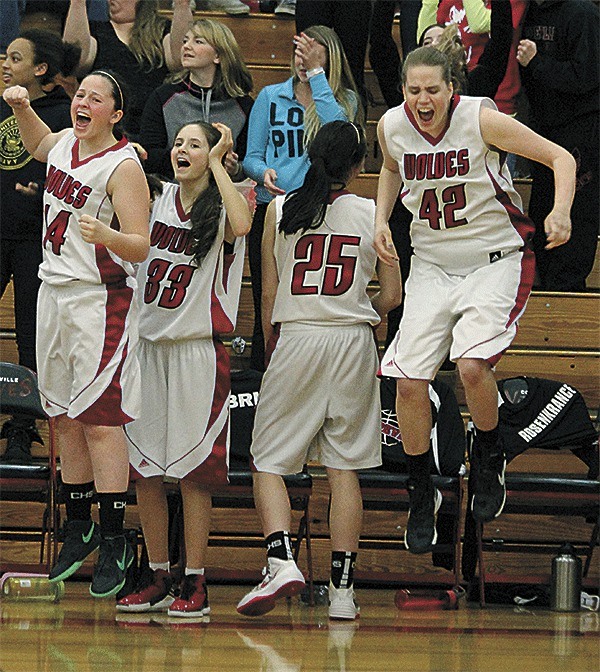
(452, 47)
(232, 75)
(340, 81)
(147, 34)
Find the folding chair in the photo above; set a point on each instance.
(35, 482)
(543, 414)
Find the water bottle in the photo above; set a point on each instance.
(19, 587)
(565, 587)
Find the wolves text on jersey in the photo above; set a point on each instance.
(432, 166)
(66, 188)
(172, 238)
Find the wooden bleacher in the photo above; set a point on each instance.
(558, 337)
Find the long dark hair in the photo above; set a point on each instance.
(206, 210)
(60, 57)
(337, 148)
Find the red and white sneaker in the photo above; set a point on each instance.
(153, 593)
(193, 599)
(283, 579)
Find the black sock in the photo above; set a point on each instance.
(279, 546)
(78, 500)
(419, 468)
(342, 568)
(487, 442)
(112, 512)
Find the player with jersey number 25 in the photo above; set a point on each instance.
(472, 271)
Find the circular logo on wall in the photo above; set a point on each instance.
(13, 154)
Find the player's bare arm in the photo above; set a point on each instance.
(389, 295)
(77, 31)
(388, 188)
(270, 277)
(36, 135)
(239, 219)
(504, 132)
(128, 191)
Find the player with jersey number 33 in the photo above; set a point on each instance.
(472, 270)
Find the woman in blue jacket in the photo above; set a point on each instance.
(284, 119)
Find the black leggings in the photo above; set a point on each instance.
(20, 259)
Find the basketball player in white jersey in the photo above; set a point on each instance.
(472, 270)
(320, 397)
(95, 228)
(189, 293)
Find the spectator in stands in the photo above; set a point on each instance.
(33, 60)
(472, 17)
(42, 15)
(136, 42)
(559, 58)
(284, 120)
(350, 20)
(213, 87)
(383, 51)
(319, 397)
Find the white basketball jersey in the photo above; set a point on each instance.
(466, 212)
(179, 300)
(324, 272)
(76, 187)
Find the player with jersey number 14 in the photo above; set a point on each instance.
(473, 267)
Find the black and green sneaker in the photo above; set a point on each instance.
(114, 559)
(80, 538)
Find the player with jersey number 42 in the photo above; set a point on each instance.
(473, 267)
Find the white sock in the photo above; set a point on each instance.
(189, 571)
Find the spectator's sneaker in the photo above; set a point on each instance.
(80, 538)
(19, 434)
(424, 504)
(193, 599)
(489, 487)
(286, 7)
(282, 579)
(152, 593)
(342, 605)
(114, 559)
(229, 6)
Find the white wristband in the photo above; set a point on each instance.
(314, 71)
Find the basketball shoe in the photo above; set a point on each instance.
(152, 593)
(193, 598)
(80, 538)
(424, 504)
(114, 559)
(342, 605)
(489, 483)
(282, 579)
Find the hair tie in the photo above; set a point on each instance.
(107, 74)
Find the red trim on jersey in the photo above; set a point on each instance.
(181, 213)
(430, 138)
(518, 219)
(110, 272)
(106, 410)
(221, 324)
(213, 471)
(76, 162)
(217, 458)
